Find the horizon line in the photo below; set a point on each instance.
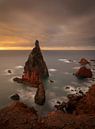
(48, 48)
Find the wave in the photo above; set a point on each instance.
(19, 67)
(52, 70)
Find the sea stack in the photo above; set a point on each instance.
(84, 71)
(35, 68)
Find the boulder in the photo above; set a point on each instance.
(83, 61)
(40, 95)
(84, 72)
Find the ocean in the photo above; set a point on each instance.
(61, 66)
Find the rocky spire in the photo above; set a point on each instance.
(35, 67)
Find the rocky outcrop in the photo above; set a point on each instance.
(35, 68)
(83, 61)
(82, 116)
(18, 116)
(86, 105)
(84, 72)
(40, 94)
(15, 97)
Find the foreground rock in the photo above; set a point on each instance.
(18, 116)
(40, 95)
(84, 72)
(35, 68)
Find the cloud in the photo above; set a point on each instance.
(59, 23)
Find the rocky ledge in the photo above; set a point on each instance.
(79, 113)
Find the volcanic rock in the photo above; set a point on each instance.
(86, 105)
(35, 68)
(18, 116)
(9, 71)
(84, 72)
(18, 80)
(15, 97)
(83, 61)
(40, 95)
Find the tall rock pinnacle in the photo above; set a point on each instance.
(35, 67)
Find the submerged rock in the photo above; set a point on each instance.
(15, 97)
(9, 71)
(18, 80)
(84, 72)
(40, 95)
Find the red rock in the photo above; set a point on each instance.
(40, 94)
(35, 68)
(86, 105)
(84, 72)
(83, 61)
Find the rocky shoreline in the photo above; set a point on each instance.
(80, 114)
(77, 113)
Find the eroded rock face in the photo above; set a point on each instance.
(35, 66)
(18, 116)
(40, 94)
(84, 72)
(86, 105)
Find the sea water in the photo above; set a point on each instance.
(61, 66)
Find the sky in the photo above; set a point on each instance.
(57, 24)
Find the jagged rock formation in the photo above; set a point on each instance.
(40, 95)
(35, 70)
(17, 115)
(35, 66)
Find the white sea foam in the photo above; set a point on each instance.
(76, 67)
(70, 89)
(27, 95)
(64, 60)
(19, 67)
(11, 79)
(52, 70)
(67, 73)
(53, 101)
